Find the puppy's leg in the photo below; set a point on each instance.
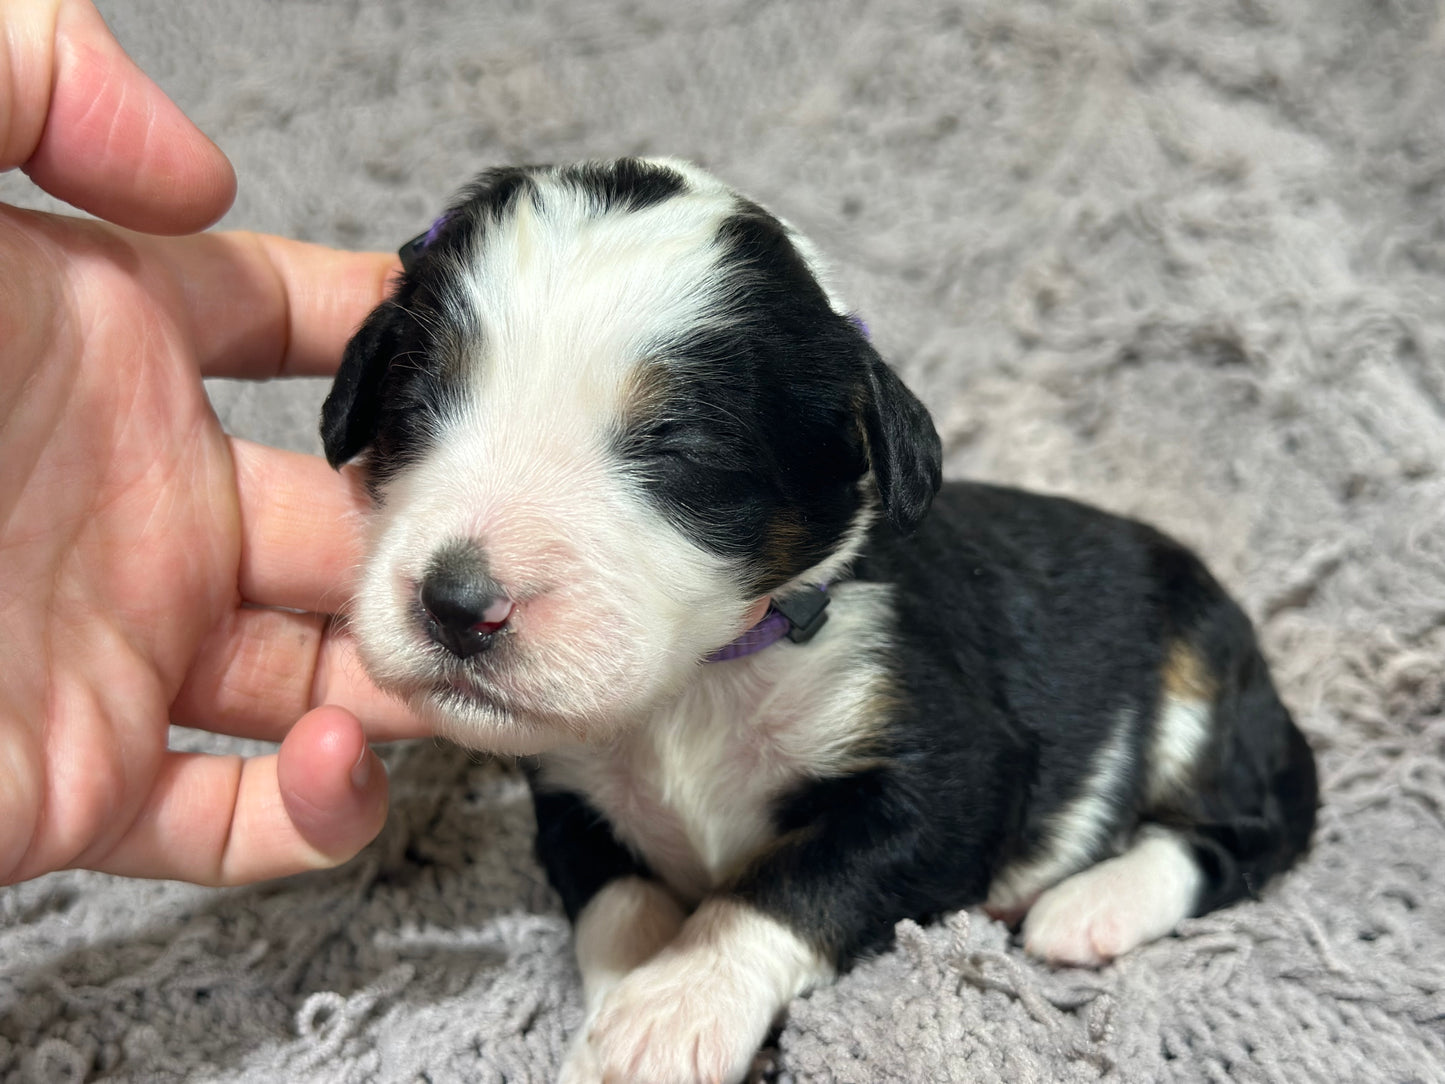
(697, 1011)
(843, 872)
(1233, 780)
(1089, 918)
(621, 916)
(1251, 812)
(622, 927)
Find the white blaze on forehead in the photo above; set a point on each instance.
(818, 267)
(569, 301)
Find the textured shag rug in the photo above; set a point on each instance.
(1184, 259)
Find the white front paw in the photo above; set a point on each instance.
(696, 1012)
(581, 1065)
(668, 1024)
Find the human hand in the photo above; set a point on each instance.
(153, 570)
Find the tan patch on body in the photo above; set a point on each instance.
(783, 544)
(748, 866)
(1185, 676)
(880, 710)
(1183, 725)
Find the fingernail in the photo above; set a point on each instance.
(361, 770)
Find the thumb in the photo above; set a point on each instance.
(224, 820)
(90, 128)
(332, 786)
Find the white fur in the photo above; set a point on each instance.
(622, 927)
(626, 924)
(1077, 833)
(1179, 738)
(818, 266)
(697, 1011)
(1110, 908)
(551, 318)
(690, 787)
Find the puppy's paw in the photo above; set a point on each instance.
(1108, 909)
(677, 1020)
(697, 1011)
(581, 1065)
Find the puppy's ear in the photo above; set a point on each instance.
(348, 417)
(903, 446)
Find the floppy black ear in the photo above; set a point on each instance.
(903, 446)
(348, 417)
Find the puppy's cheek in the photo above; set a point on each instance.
(388, 642)
(625, 650)
(556, 621)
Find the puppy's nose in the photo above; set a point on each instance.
(464, 608)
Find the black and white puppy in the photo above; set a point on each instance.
(609, 414)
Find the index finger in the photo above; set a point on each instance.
(301, 529)
(258, 306)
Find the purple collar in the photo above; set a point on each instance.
(798, 617)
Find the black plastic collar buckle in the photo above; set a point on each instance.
(806, 613)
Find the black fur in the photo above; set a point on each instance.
(1026, 625)
(349, 415)
(577, 849)
(390, 388)
(628, 184)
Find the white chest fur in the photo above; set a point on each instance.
(692, 788)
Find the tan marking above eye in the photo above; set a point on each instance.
(645, 392)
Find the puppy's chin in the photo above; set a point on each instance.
(489, 721)
(487, 727)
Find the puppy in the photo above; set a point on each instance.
(650, 511)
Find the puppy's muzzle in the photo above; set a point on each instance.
(462, 607)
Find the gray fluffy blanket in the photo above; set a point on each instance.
(1182, 258)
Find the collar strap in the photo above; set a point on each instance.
(798, 617)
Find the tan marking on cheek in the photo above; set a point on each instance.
(783, 546)
(860, 400)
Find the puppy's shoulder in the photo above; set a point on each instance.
(984, 540)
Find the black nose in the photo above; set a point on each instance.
(464, 608)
